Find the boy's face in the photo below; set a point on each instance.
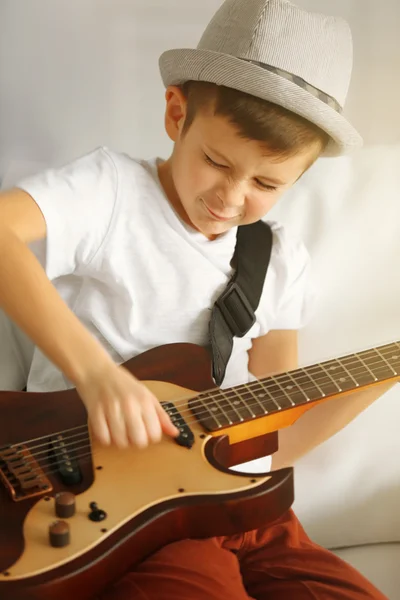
(217, 180)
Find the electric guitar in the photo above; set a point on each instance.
(75, 515)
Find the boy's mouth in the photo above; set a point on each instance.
(216, 216)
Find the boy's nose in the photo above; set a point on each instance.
(232, 196)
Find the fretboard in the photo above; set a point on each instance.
(217, 409)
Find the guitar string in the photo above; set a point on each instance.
(85, 439)
(48, 469)
(218, 395)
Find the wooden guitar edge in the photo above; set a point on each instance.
(181, 518)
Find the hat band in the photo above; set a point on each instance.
(300, 82)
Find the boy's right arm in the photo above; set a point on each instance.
(120, 409)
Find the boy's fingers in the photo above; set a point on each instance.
(100, 427)
(152, 422)
(135, 427)
(166, 424)
(116, 424)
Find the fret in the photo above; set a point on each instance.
(306, 382)
(387, 364)
(285, 393)
(369, 374)
(349, 364)
(266, 395)
(218, 399)
(299, 389)
(237, 401)
(221, 397)
(377, 364)
(214, 409)
(231, 398)
(240, 398)
(392, 355)
(340, 375)
(257, 404)
(200, 407)
(336, 386)
(297, 394)
(274, 392)
(321, 377)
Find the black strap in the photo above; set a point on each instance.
(233, 312)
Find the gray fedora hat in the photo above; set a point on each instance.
(280, 52)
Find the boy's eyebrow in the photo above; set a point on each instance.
(269, 179)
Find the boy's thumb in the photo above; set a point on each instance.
(166, 424)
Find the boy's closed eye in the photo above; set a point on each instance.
(212, 163)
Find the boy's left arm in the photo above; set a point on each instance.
(277, 352)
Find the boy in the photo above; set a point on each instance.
(136, 252)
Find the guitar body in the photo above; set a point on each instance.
(150, 498)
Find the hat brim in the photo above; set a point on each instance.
(180, 65)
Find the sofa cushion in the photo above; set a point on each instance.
(379, 563)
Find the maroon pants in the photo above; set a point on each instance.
(278, 562)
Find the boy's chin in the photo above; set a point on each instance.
(213, 229)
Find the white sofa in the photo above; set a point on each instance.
(348, 489)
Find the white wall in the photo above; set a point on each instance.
(78, 73)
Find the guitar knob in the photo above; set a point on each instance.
(59, 534)
(65, 505)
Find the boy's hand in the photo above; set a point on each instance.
(122, 410)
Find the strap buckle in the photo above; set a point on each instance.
(236, 310)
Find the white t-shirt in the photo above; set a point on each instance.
(136, 275)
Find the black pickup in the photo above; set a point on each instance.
(185, 437)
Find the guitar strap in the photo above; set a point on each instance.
(233, 312)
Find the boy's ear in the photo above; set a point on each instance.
(175, 111)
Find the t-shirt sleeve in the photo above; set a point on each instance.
(77, 202)
(295, 290)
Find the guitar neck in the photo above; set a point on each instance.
(218, 409)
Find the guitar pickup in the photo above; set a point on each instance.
(185, 437)
(62, 455)
(21, 474)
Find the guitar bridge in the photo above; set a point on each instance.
(21, 474)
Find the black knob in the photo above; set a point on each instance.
(96, 513)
